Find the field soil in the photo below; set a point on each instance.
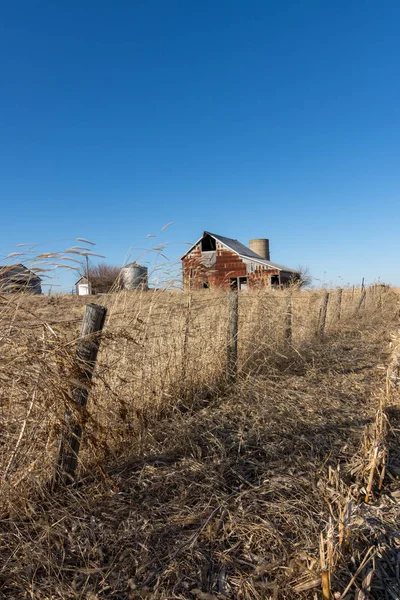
(225, 496)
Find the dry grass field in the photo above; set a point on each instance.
(276, 486)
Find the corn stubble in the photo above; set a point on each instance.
(282, 485)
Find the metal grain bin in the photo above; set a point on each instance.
(134, 276)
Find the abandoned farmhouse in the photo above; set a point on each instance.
(218, 261)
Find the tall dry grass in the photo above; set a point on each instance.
(188, 486)
(162, 352)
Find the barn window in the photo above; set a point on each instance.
(274, 279)
(238, 283)
(206, 285)
(233, 283)
(208, 244)
(242, 283)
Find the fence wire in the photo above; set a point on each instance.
(161, 352)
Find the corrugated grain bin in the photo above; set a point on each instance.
(134, 276)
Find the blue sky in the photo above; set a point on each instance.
(248, 119)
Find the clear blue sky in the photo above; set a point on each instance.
(248, 119)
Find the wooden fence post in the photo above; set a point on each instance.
(322, 313)
(362, 300)
(339, 304)
(379, 300)
(186, 335)
(86, 354)
(232, 341)
(288, 320)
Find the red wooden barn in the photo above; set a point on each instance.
(218, 261)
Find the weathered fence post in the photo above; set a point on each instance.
(288, 320)
(362, 300)
(232, 341)
(379, 301)
(186, 335)
(322, 313)
(339, 304)
(86, 354)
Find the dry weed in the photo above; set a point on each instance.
(188, 487)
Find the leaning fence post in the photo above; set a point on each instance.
(339, 304)
(86, 355)
(186, 335)
(232, 341)
(288, 320)
(362, 300)
(322, 313)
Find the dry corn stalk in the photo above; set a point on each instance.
(325, 570)
(377, 451)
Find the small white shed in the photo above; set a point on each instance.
(83, 287)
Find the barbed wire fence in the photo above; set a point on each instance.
(160, 352)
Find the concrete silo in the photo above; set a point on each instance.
(261, 247)
(134, 276)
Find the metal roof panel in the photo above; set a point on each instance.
(245, 252)
(242, 251)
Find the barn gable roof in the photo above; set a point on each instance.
(243, 251)
(17, 269)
